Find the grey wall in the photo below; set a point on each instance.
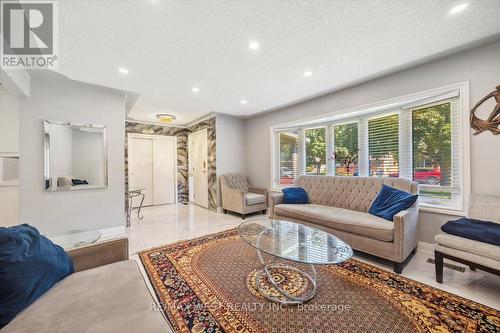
(479, 66)
(62, 99)
(231, 148)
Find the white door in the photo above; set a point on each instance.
(164, 168)
(140, 163)
(198, 168)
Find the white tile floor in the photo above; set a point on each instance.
(166, 224)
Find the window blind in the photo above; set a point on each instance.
(383, 146)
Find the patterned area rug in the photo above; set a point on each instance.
(208, 285)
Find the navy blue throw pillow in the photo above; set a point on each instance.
(79, 182)
(391, 201)
(295, 195)
(30, 264)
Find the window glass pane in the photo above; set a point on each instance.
(289, 162)
(315, 151)
(346, 149)
(431, 132)
(383, 146)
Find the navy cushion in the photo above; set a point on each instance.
(30, 264)
(391, 201)
(79, 182)
(295, 195)
(482, 231)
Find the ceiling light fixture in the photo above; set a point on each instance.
(458, 8)
(123, 70)
(308, 73)
(195, 89)
(253, 45)
(165, 117)
(243, 101)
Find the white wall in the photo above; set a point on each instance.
(16, 80)
(479, 66)
(9, 150)
(9, 122)
(66, 100)
(230, 147)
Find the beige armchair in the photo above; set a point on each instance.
(475, 254)
(240, 197)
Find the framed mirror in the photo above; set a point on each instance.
(75, 156)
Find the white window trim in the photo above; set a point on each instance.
(376, 109)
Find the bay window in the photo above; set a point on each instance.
(422, 139)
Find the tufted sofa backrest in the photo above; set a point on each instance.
(355, 193)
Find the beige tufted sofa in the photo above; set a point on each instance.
(340, 206)
(238, 196)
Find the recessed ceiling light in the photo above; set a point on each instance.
(308, 73)
(123, 70)
(458, 8)
(243, 101)
(253, 45)
(195, 89)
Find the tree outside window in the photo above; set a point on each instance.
(431, 134)
(315, 151)
(289, 161)
(345, 153)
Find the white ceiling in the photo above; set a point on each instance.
(170, 47)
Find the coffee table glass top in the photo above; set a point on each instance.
(76, 238)
(293, 241)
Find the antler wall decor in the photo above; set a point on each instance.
(492, 123)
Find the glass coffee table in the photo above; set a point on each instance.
(75, 238)
(289, 241)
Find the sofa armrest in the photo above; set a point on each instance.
(99, 254)
(274, 199)
(258, 190)
(406, 232)
(233, 199)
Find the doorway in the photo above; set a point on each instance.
(152, 167)
(198, 167)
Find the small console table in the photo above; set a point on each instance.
(130, 196)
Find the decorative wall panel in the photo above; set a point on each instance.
(209, 124)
